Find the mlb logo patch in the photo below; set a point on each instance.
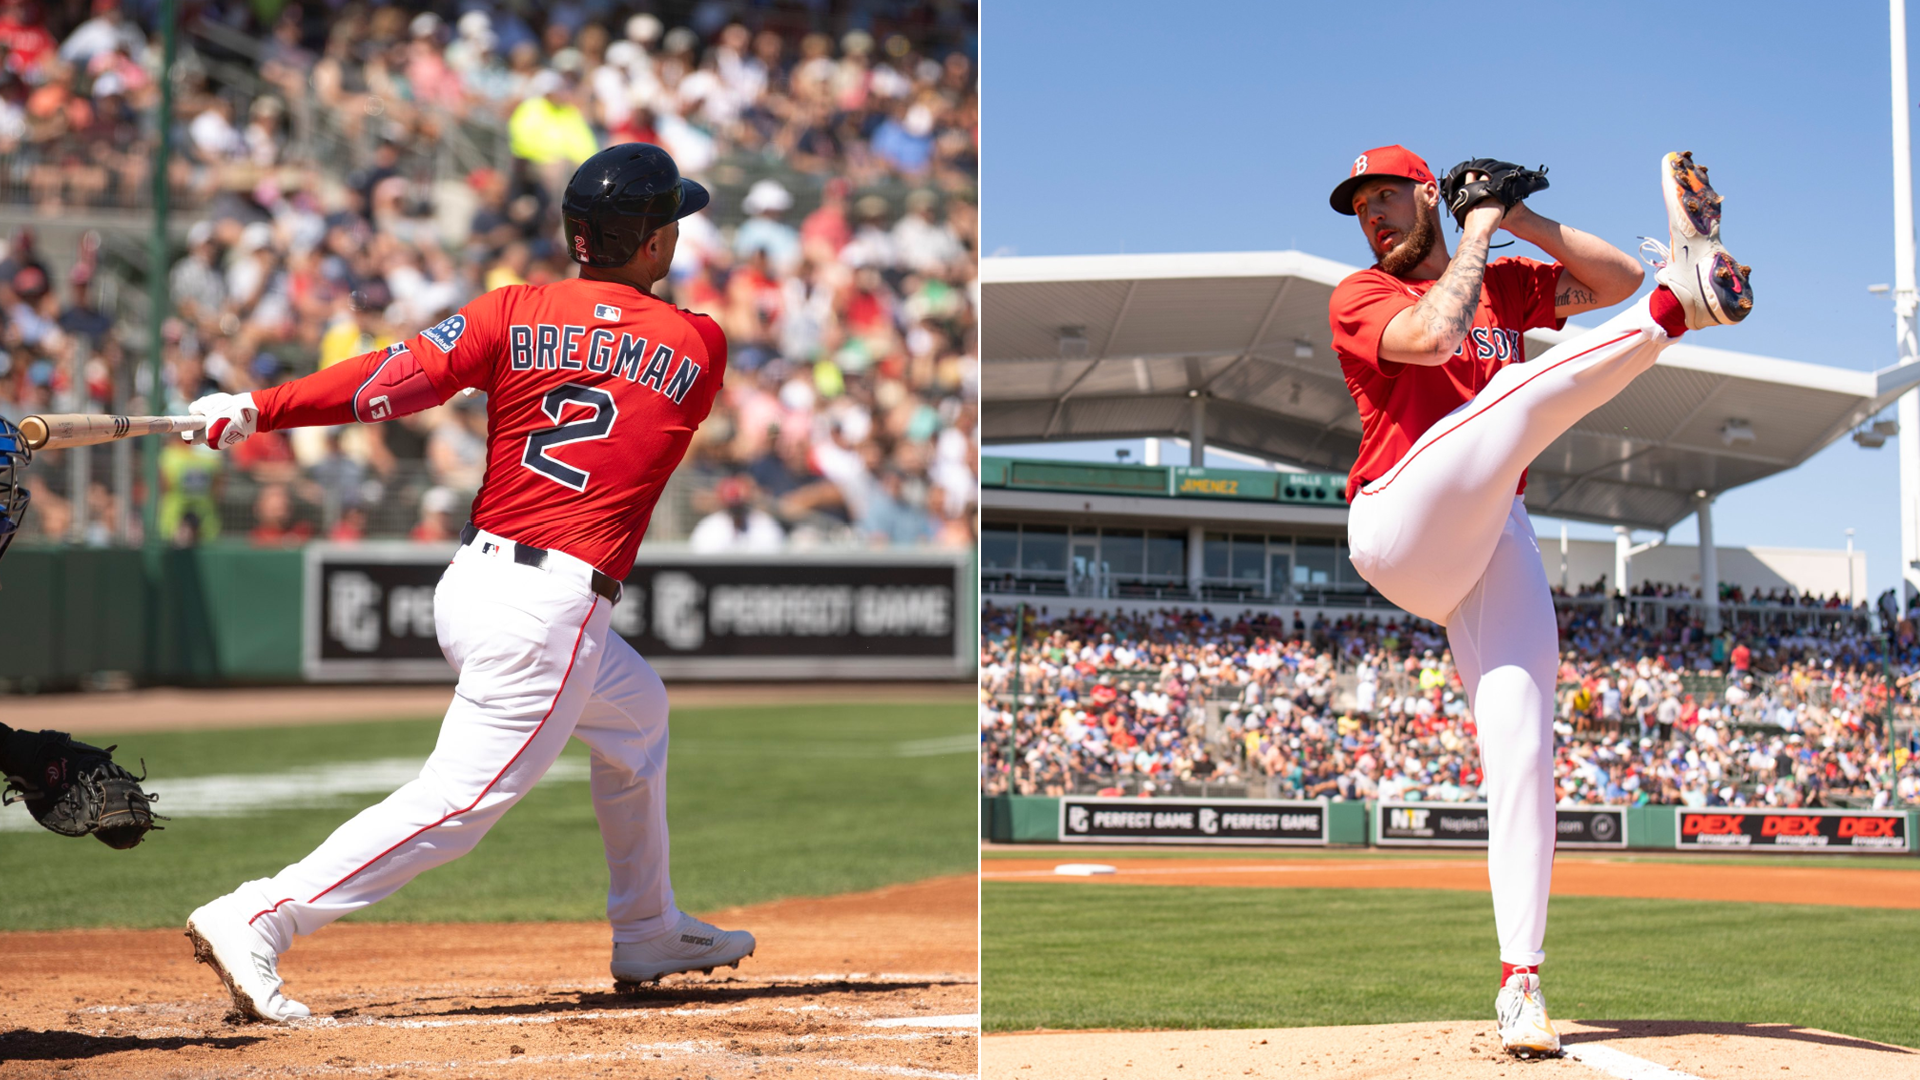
(447, 332)
(606, 311)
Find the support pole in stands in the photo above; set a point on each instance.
(1197, 434)
(157, 266)
(1563, 557)
(1013, 729)
(1709, 562)
(1906, 299)
(1197, 561)
(1622, 551)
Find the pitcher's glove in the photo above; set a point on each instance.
(1499, 180)
(75, 789)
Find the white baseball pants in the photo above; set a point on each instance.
(1443, 536)
(537, 662)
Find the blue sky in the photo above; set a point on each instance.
(1119, 126)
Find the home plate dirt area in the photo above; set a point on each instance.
(882, 983)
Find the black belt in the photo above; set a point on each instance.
(528, 555)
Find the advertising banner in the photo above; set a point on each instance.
(1446, 824)
(1735, 828)
(797, 615)
(1093, 819)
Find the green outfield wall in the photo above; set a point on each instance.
(1035, 819)
(191, 616)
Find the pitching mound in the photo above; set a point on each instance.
(877, 983)
(1628, 1050)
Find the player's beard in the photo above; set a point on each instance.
(1412, 251)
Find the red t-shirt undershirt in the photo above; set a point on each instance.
(1399, 402)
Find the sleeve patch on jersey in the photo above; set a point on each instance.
(447, 332)
(606, 311)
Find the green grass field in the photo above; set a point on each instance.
(1114, 956)
(764, 803)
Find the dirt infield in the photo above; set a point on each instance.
(1797, 882)
(1629, 1050)
(191, 710)
(879, 983)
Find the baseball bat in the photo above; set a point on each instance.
(88, 429)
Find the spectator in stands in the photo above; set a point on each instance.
(438, 506)
(549, 130)
(869, 352)
(274, 523)
(1813, 733)
(764, 232)
(739, 524)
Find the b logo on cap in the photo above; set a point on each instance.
(1359, 164)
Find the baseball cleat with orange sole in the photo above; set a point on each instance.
(1713, 288)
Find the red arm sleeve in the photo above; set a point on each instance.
(368, 389)
(1361, 307)
(418, 373)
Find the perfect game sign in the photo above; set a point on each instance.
(797, 615)
(1742, 829)
(1107, 820)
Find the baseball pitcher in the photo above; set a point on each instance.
(1452, 413)
(594, 388)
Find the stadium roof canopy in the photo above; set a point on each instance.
(1128, 346)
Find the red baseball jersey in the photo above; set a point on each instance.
(1399, 402)
(593, 390)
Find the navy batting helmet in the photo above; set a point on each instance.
(14, 455)
(619, 197)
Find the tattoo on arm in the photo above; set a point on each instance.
(1447, 309)
(1573, 296)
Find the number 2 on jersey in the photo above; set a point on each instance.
(594, 425)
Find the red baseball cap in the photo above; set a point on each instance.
(1395, 160)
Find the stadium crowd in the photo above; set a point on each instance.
(839, 255)
(1178, 701)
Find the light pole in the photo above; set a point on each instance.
(1849, 569)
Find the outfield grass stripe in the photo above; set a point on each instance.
(1619, 1063)
(945, 744)
(243, 794)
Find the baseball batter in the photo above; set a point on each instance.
(594, 388)
(1452, 413)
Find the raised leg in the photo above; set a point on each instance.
(1423, 533)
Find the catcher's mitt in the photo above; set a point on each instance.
(75, 789)
(1500, 180)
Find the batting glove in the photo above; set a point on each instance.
(230, 419)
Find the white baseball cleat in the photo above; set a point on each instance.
(691, 945)
(243, 960)
(1712, 288)
(1525, 1030)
